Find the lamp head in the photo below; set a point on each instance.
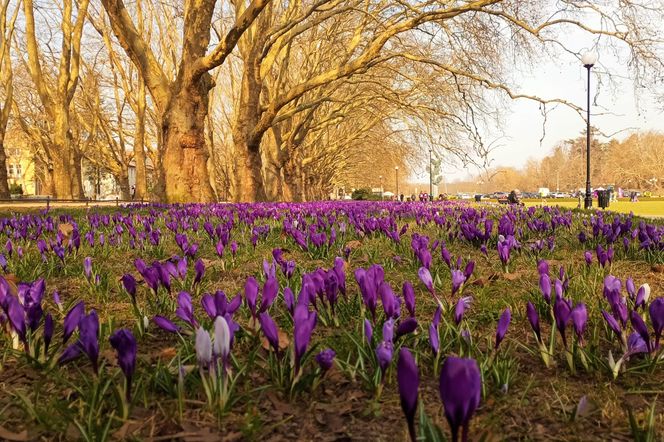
(589, 59)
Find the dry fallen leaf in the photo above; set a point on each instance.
(353, 244)
(8, 435)
(283, 341)
(12, 282)
(167, 354)
(65, 229)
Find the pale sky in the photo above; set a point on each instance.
(564, 77)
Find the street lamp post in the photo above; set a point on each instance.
(430, 174)
(396, 178)
(381, 186)
(588, 59)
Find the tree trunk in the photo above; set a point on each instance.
(291, 182)
(4, 185)
(123, 182)
(139, 144)
(249, 180)
(48, 184)
(184, 162)
(76, 174)
(61, 157)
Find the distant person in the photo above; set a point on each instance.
(401, 197)
(133, 192)
(580, 198)
(513, 198)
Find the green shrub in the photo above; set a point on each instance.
(364, 194)
(16, 189)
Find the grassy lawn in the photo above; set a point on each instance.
(643, 207)
(575, 395)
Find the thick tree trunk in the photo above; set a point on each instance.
(249, 181)
(184, 162)
(61, 158)
(47, 182)
(4, 185)
(139, 145)
(76, 174)
(123, 182)
(292, 182)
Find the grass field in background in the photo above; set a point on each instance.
(644, 207)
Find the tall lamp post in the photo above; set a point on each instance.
(381, 186)
(588, 59)
(396, 178)
(430, 174)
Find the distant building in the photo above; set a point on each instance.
(20, 166)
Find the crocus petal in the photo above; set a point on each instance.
(408, 382)
(460, 389)
(503, 325)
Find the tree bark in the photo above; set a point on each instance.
(123, 182)
(4, 186)
(139, 144)
(61, 159)
(184, 161)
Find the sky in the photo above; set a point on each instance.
(617, 109)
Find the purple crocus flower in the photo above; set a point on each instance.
(409, 297)
(612, 323)
(222, 338)
(16, 315)
(185, 309)
(542, 267)
(640, 327)
(269, 330)
(631, 288)
(458, 278)
(460, 390)
(468, 271)
(561, 313)
(545, 287)
(56, 299)
(533, 318)
(588, 256)
(304, 323)
(436, 316)
(408, 381)
(203, 346)
(406, 326)
(199, 268)
(384, 353)
(434, 339)
(124, 343)
(165, 324)
(461, 307)
(642, 296)
(88, 332)
(88, 341)
(368, 331)
(325, 359)
(72, 319)
(425, 277)
(251, 294)
(129, 284)
(48, 332)
(579, 315)
(289, 300)
(270, 291)
(503, 325)
(87, 268)
(233, 248)
(656, 311)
